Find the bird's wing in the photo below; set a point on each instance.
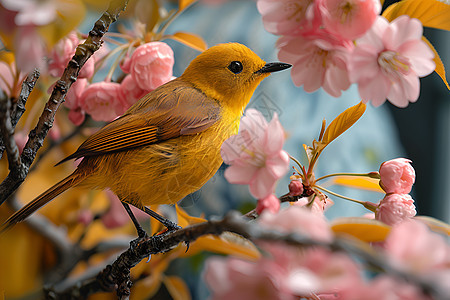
(155, 118)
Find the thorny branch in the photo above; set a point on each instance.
(117, 275)
(36, 137)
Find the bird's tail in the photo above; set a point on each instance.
(47, 196)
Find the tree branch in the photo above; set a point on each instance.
(37, 135)
(117, 275)
(17, 110)
(7, 132)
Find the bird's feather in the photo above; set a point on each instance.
(183, 111)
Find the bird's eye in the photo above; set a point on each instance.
(235, 67)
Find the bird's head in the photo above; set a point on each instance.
(229, 73)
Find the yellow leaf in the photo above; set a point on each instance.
(177, 288)
(432, 13)
(146, 287)
(435, 224)
(343, 122)
(363, 183)
(227, 243)
(189, 39)
(382, 2)
(366, 230)
(182, 4)
(7, 57)
(440, 70)
(69, 15)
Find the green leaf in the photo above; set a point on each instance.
(432, 13)
(343, 122)
(440, 70)
(189, 39)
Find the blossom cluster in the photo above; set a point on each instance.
(396, 178)
(286, 272)
(334, 43)
(149, 66)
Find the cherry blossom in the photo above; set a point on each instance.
(131, 89)
(32, 12)
(255, 155)
(297, 219)
(388, 61)
(397, 176)
(61, 54)
(270, 203)
(286, 16)
(349, 19)
(317, 63)
(103, 101)
(150, 65)
(395, 208)
(412, 245)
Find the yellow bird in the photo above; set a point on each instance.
(167, 145)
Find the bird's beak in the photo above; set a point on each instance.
(273, 67)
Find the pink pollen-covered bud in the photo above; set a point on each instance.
(295, 188)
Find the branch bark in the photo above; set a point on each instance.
(36, 137)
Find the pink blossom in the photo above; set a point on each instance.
(388, 61)
(131, 90)
(412, 245)
(32, 12)
(255, 155)
(270, 203)
(73, 101)
(231, 278)
(63, 52)
(349, 19)
(103, 101)
(7, 73)
(150, 65)
(397, 176)
(395, 208)
(317, 206)
(29, 49)
(384, 287)
(316, 63)
(283, 17)
(297, 219)
(116, 216)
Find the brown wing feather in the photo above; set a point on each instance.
(170, 111)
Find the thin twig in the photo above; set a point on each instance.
(19, 108)
(7, 132)
(37, 135)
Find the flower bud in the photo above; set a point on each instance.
(397, 176)
(295, 188)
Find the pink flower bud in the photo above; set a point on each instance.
(103, 101)
(397, 176)
(150, 65)
(269, 203)
(395, 208)
(295, 188)
(63, 52)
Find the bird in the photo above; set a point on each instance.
(167, 145)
